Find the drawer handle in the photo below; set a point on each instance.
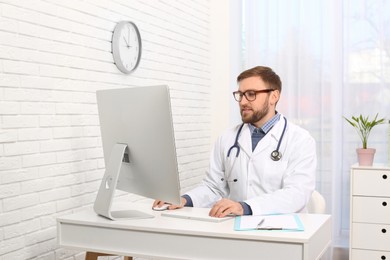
(384, 176)
(383, 257)
(384, 204)
(383, 230)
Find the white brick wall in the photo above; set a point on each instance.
(54, 55)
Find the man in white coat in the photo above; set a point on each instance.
(266, 165)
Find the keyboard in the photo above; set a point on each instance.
(201, 214)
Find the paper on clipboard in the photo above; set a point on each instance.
(283, 222)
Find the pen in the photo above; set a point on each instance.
(260, 223)
(259, 227)
(269, 228)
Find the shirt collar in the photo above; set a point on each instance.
(268, 125)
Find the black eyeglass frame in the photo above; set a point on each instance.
(238, 94)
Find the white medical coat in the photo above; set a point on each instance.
(267, 186)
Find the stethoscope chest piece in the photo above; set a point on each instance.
(276, 155)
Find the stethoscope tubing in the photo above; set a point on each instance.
(275, 155)
(235, 145)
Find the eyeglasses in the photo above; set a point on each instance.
(250, 95)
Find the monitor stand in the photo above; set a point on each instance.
(108, 185)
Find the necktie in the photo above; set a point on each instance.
(256, 137)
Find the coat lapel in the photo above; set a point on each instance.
(245, 140)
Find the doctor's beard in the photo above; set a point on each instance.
(256, 115)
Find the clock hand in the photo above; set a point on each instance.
(128, 37)
(127, 43)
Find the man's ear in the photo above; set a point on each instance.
(275, 95)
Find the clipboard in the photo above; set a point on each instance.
(277, 222)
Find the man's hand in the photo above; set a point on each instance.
(225, 207)
(160, 203)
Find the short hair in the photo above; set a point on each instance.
(265, 73)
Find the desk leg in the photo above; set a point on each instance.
(94, 256)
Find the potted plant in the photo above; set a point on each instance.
(363, 126)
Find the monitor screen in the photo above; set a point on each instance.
(139, 147)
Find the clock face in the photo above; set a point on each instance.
(126, 46)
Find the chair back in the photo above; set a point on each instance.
(316, 204)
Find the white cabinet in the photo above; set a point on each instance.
(370, 213)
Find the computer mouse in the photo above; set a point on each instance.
(163, 207)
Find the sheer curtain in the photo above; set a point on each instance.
(333, 59)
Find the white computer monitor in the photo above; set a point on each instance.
(139, 147)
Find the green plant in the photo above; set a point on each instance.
(364, 126)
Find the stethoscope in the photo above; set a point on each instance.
(276, 155)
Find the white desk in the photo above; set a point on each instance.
(173, 238)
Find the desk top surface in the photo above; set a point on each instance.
(162, 224)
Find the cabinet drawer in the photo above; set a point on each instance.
(371, 183)
(357, 254)
(371, 209)
(370, 236)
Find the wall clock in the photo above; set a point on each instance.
(126, 46)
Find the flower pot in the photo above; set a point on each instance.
(365, 156)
